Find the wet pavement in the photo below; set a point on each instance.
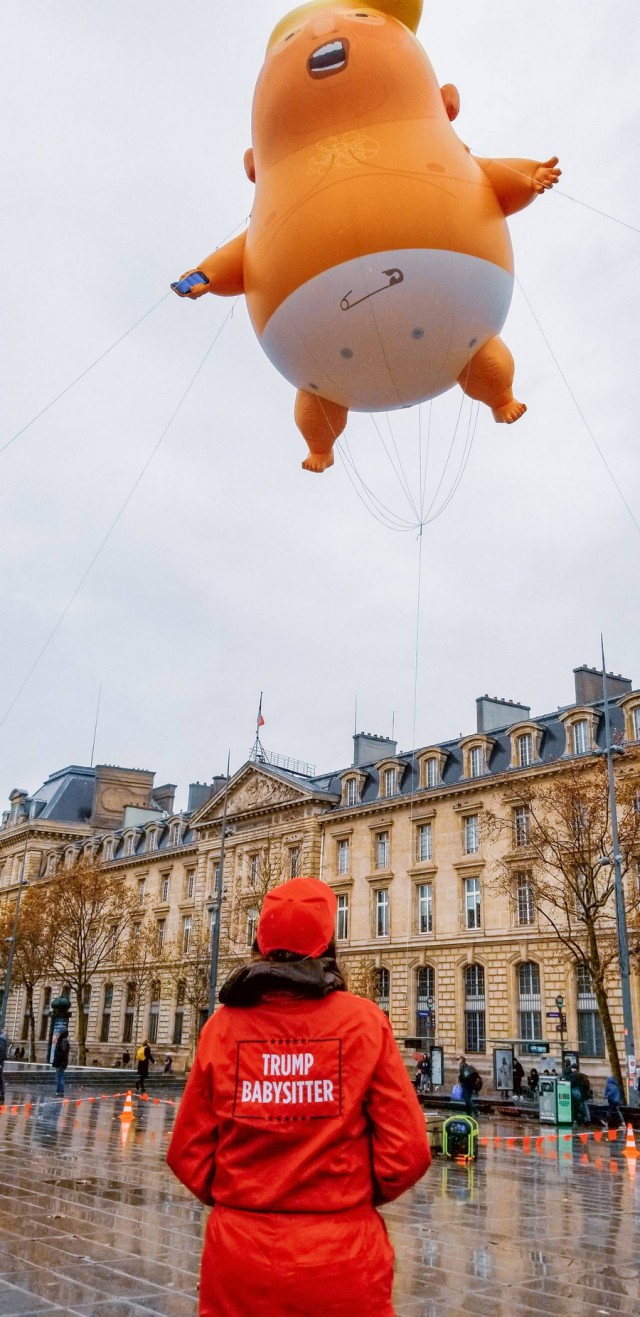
(92, 1222)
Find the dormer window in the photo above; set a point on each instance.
(152, 839)
(635, 722)
(388, 779)
(476, 761)
(175, 836)
(52, 863)
(581, 737)
(431, 774)
(351, 793)
(107, 849)
(128, 845)
(476, 751)
(524, 749)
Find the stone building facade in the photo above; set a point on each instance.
(422, 925)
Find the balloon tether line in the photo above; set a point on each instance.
(115, 521)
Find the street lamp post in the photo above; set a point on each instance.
(12, 940)
(216, 904)
(560, 1005)
(621, 918)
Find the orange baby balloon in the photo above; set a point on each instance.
(377, 265)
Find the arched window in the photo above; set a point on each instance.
(475, 1009)
(529, 1004)
(382, 989)
(590, 1031)
(154, 1011)
(425, 997)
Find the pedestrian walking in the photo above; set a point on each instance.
(4, 1052)
(518, 1076)
(144, 1059)
(424, 1075)
(581, 1092)
(470, 1082)
(61, 1060)
(298, 1120)
(533, 1081)
(613, 1098)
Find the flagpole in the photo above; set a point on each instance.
(257, 753)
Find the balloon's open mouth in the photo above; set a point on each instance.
(332, 58)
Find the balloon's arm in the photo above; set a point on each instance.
(516, 183)
(222, 272)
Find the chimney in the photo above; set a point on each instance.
(164, 797)
(368, 749)
(494, 714)
(115, 789)
(201, 792)
(589, 684)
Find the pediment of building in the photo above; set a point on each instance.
(253, 788)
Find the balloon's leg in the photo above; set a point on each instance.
(488, 378)
(320, 422)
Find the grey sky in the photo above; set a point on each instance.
(232, 570)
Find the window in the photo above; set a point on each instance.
(389, 782)
(86, 1006)
(521, 825)
(473, 909)
(432, 776)
(472, 834)
(175, 834)
(186, 934)
(525, 905)
(424, 848)
(152, 840)
(425, 908)
(352, 791)
(165, 887)
(524, 747)
(25, 1024)
(154, 1011)
(189, 884)
(128, 844)
(161, 928)
(129, 1013)
(178, 1019)
(382, 989)
(254, 869)
(52, 861)
(382, 912)
(590, 1031)
(252, 924)
(294, 861)
(142, 882)
(636, 724)
(529, 1004)
(343, 856)
(342, 918)
(581, 738)
(425, 996)
(475, 1009)
(106, 1013)
(46, 1012)
(382, 850)
(107, 848)
(476, 761)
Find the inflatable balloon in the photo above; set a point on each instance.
(377, 265)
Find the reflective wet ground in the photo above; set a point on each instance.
(91, 1221)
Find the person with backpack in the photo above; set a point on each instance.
(4, 1051)
(298, 1120)
(61, 1060)
(144, 1059)
(613, 1098)
(471, 1083)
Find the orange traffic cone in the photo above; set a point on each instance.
(630, 1149)
(127, 1110)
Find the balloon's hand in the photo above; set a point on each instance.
(546, 175)
(193, 284)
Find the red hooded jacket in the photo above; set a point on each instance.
(298, 1110)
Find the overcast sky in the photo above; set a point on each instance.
(232, 570)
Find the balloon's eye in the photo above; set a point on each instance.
(369, 18)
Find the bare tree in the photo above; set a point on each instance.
(91, 911)
(136, 958)
(186, 960)
(33, 951)
(268, 866)
(560, 845)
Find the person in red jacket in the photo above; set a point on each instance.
(298, 1119)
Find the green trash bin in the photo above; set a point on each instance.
(460, 1138)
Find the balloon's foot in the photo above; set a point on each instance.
(510, 412)
(318, 462)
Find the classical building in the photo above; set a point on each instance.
(422, 925)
